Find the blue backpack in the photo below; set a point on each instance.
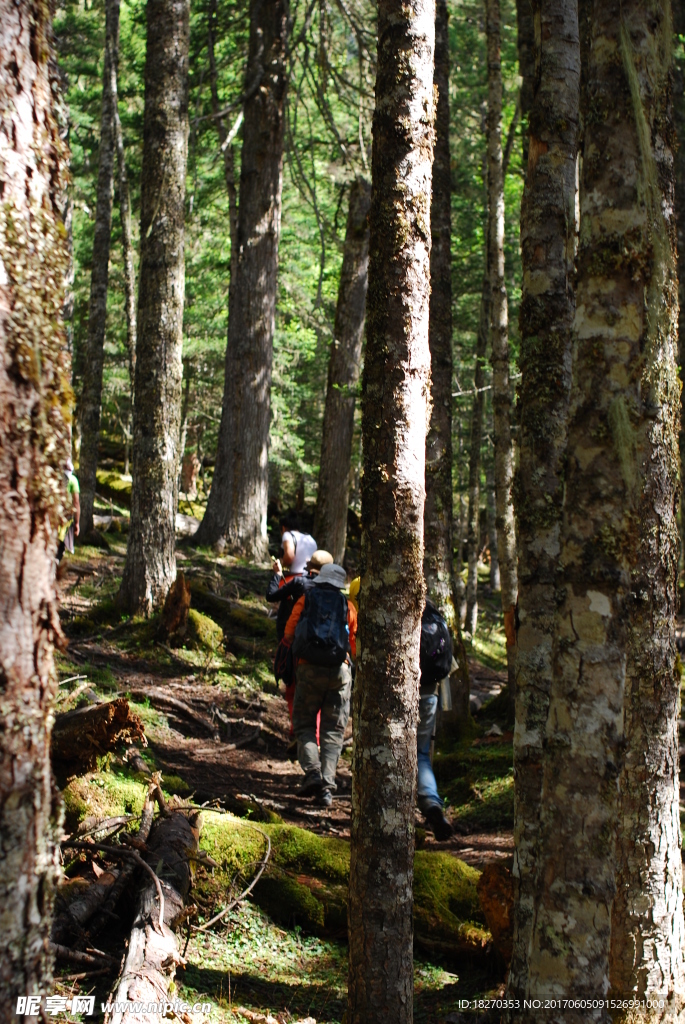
(322, 636)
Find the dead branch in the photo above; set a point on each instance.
(79, 737)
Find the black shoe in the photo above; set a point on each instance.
(324, 797)
(438, 823)
(311, 785)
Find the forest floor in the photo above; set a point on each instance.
(221, 670)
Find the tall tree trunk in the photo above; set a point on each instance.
(225, 134)
(475, 442)
(438, 557)
(647, 928)
(499, 339)
(526, 46)
(548, 234)
(237, 503)
(151, 555)
(394, 423)
(495, 581)
(679, 117)
(601, 896)
(91, 394)
(35, 394)
(330, 520)
(125, 217)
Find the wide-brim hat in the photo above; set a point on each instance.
(319, 559)
(333, 574)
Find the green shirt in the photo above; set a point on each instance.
(73, 485)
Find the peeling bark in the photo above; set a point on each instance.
(236, 509)
(35, 399)
(499, 339)
(679, 119)
(609, 870)
(394, 423)
(151, 554)
(330, 520)
(548, 239)
(91, 394)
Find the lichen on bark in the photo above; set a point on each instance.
(394, 421)
(36, 401)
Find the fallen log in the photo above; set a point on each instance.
(163, 700)
(79, 911)
(127, 871)
(153, 952)
(79, 737)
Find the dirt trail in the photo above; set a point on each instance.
(258, 772)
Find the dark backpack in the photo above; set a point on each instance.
(436, 646)
(322, 636)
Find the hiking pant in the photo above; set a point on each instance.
(428, 788)
(325, 690)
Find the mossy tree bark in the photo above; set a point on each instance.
(499, 338)
(608, 907)
(647, 928)
(330, 520)
(236, 509)
(548, 238)
(679, 117)
(35, 395)
(394, 423)
(91, 394)
(150, 567)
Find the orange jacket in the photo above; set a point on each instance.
(295, 614)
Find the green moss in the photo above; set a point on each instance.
(203, 631)
(112, 485)
(175, 785)
(103, 794)
(307, 878)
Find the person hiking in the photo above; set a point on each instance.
(70, 529)
(323, 631)
(435, 662)
(298, 547)
(287, 590)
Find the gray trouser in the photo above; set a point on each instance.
(326, 690)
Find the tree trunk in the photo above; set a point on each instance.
(91, 394)
(126, 234)
(679, 117)
(237, 503)
(223, 132)
(394, 423)
(473, 515)
(35, 395)
(151, 555)
(438, 558)
(526, 46)
(495, 581)
(647, 928)
(548, 238)
(499, 339)
(330, 520)
(608, 907)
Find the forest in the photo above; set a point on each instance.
(342, 570)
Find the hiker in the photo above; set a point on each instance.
(287, 590)
(298, 547)
(323, 630)
(70, 529)
(436, 664)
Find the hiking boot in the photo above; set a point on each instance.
(438, 824)
(324, 797)
(311, 785)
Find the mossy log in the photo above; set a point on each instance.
(306, 883)
(153, 952)
(79, 737)
(234, 617)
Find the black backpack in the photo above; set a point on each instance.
(322, 636)
(436, 646)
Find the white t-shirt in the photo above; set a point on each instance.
(304, 545)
